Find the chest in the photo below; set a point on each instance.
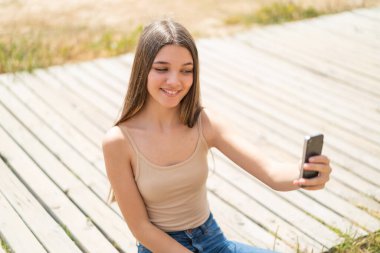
(166, 149)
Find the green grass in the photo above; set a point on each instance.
(274, 14)
(68, 232)
(5, 246)
(38, 45)
(351, 244)
(44, 45)
(41, 49)
(366, 244)
(116, 43)
(23, 54)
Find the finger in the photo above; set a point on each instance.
(319, 159)
(313, 188)
(322, 168)
(321, 179)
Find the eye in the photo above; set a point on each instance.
(187, 71)
(161, 69)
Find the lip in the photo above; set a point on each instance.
(170, 93)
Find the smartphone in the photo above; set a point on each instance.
(312, 146)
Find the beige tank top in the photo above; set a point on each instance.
(175, 196)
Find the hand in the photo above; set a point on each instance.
(321, 164)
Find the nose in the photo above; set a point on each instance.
(173, 79)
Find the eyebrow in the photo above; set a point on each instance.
(164, 62)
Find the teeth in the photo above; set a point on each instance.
(171, 92)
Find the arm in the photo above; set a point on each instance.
(278, 176)
(116, 153)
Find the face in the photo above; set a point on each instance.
(171, 76)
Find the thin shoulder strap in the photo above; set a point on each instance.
(200, 123)
(136, 170)
(200, 128)
(131, 141)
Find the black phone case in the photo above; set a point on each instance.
(313, 147)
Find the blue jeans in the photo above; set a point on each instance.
(208, 238)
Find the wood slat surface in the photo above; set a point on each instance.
(275, 83)
(18, 234)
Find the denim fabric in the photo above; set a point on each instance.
(208, 238)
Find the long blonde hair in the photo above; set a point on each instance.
(155, 36)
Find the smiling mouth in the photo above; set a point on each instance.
(170, 92)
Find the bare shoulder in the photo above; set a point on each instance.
(113, 137)
(213, 126)
(115, 144)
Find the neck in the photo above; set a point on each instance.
(160, 118)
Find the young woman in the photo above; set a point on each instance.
(156, 153)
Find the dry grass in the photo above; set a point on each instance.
(366, 244)
(56, 32)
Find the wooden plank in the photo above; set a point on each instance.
(373, 13)
(111, 109)
(324, 50)
(62, 106)
(56, 85)
(242, 99)
(313, 64)
(348, 31)
(317, 65)
(322, 47)
(294, 80)
(365, 146)
(79, 104)
(250, 231)
(284, 209)
(69, 130)
(355, 48)
(99, 87)
(258, 119)
(69, 75)
(313, 208)
(44, 227)
(54, 200)
(74, 86)
(14, 230)
(99, 71)
(107, 220)
(348, 207)
(105, 217)
(359, 149)
(367, 23)
(127, 59)
(59, 98)
(349, 19)
(267, 83)
(57, 145)
(353, 196)
(362, 218)
(115, 69)
(275, 89)
(261, 215)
